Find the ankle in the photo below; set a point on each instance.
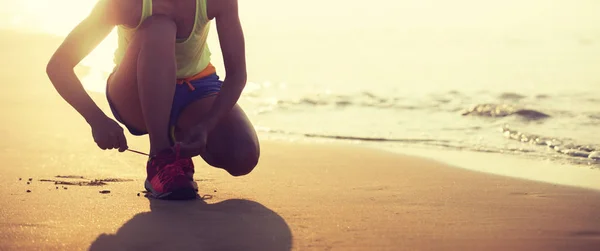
(157, 146)
(154, 151)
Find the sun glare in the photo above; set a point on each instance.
(58, 17)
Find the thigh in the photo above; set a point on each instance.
(122, 89)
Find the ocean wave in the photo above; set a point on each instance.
(502, 105)
(503, 110)
(562, 146)
(445, 102)
(364, 99)
(438, 120)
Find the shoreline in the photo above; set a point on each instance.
(513, 166)
(547, 171)
(302, 196)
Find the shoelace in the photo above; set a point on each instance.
(168, 173)
(138, 152)
(171, 170)
(176, 148)
(161, 161)
(175, 168)
(178, 160)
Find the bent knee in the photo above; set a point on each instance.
(242, 162)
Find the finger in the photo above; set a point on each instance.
(114, 144)
(101, 145)
(110, 145)
(105, 144)
(114, 141)
(122, 142)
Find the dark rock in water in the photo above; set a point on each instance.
(532, 114)
(493, 110)
(511, 96)
(594, 155)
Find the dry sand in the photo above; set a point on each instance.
(300, 197)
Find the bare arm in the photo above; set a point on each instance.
(231, 38)
(78, 44)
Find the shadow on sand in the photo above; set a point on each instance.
(234, 224)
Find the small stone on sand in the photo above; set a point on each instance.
(29, 191)
(30, 179)
(138, 194)
(20, 179)
(65, 188)
(215, 190)
(56, 187)
(105, 191)
(28, 183)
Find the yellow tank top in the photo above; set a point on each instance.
(192, 53)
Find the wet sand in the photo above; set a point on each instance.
(300, 197)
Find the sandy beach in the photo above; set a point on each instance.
(300, 197)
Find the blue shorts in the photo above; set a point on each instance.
(184, 95)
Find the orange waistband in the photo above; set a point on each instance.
(209, 70)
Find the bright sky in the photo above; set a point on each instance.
(273, 25)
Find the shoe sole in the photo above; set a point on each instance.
(194, 184)
(181, 194)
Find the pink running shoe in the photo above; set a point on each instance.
(166, 178)
(187, 166)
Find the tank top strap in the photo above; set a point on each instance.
(202, 11)
(146, 10)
